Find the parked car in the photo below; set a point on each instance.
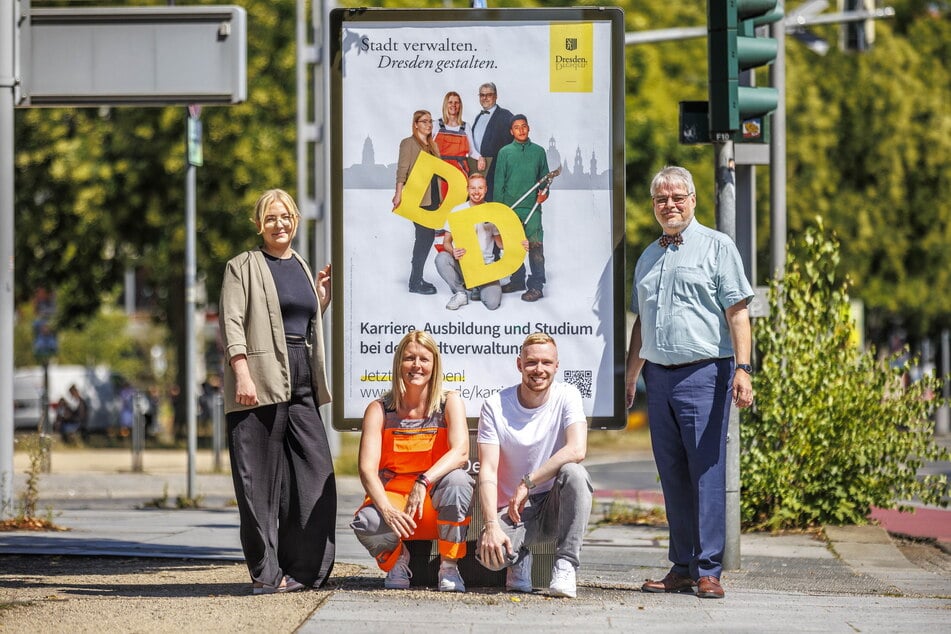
(99, 386)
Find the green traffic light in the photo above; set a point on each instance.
(733, 47)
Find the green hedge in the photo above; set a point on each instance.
(832, 432)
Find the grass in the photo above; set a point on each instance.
(632, 513)
(636, 439)
(346, 462)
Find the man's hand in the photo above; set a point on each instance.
(517, 503)
(742, 389)
(495, 547)
(631, 390)
(541, 196)
(458, 253)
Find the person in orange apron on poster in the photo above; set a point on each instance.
(414, 443)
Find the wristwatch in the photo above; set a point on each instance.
(527, 481)
(746, 367)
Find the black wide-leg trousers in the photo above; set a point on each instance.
(284, 484)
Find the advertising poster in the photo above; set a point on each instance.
(558, 86)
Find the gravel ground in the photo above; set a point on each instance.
(105, 594)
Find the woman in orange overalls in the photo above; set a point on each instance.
(414, 444)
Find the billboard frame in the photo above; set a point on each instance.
(612, 285)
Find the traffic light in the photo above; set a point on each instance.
(732, 46)
(856, 35)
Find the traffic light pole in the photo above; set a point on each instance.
(726, 222)
(777, 155)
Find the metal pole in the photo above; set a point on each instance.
(190, 391)
(138, 433)
(777, 155)
(303, 190)
(942, 423)
(217, 427)
(7, 102)
(726, 222)
(46, 425)
(322, 228)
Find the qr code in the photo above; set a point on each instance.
(581, 379)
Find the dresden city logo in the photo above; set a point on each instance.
(571, 43)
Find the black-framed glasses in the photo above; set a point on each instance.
(677, 199)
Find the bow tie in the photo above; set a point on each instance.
(485, 112)
(667, 240)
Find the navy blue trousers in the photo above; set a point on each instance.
(688, 409)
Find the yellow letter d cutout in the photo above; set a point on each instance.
(462, 225)
(417, 184)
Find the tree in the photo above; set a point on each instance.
(833, 432)
(98, 190)
(869, 154)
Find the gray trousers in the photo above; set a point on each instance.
(448, 269)
(451, 497)
(560, 514)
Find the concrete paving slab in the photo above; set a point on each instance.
(743, 611)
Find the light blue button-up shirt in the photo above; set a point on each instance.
(681, 294)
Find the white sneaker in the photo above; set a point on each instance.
(563, 580)
(399, 575)
(449, 578)
(458, 300)
(518, 578)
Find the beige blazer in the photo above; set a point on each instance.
(250, 318)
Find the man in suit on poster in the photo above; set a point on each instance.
(491, 130)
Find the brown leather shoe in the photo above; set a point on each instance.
(532, 295)
(709, 588)
(671, 583)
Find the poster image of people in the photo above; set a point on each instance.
(478, 194)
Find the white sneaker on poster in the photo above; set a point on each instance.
(458, 300)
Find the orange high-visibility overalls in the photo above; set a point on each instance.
(408, 448)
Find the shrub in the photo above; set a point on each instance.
(832, 432)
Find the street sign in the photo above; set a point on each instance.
(194, 140)
(146, 56)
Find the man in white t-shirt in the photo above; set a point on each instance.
(532, 439)
(489, 240)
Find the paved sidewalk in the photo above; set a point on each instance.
(859, 581)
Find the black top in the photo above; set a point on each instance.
(298, 298)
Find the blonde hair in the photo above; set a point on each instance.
(264, 203)
(430, 145)
(445, 106)
(394, 398)
(537, 338)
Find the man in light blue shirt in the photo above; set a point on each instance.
(691, 338)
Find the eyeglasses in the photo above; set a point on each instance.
(483, 95)
(677, 199)
(272, 221)
(425, 121)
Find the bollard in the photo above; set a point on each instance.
(942, 424)
(217, 425)
(138, 433)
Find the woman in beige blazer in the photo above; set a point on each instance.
(275, 379)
